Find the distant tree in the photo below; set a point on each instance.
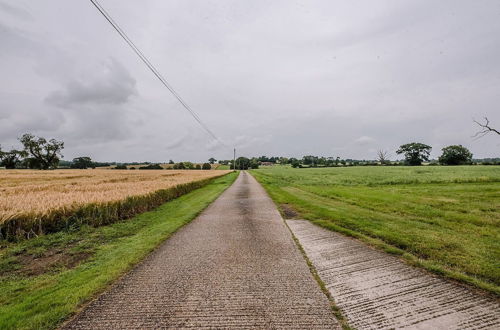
(120, 167)
(206, 166)
(455, 155)
(283, 160)
(415, 153)
(294, 162)
(486, 128)
(46, 153)
(254, 163)
(171, 161)
(151, 167)
(99, 164)
(312, 161)
(181, 166)
(82, 163)
(189, 165)
(242, 163)
(383, 156)
(11, 159)
(212, 160)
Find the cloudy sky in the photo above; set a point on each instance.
(331, 78)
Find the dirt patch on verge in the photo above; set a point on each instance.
(29, 265)
(288, 211)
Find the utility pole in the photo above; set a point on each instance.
(234, 159)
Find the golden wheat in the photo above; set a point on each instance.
(28, 192)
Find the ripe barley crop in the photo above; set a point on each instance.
(39, 201)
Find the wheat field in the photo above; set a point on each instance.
(33, 201)
(39, 192)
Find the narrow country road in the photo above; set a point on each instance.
(236, 265)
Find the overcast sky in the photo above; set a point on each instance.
(290, 78)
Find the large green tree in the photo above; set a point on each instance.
(415, 153)
(455, 155)
(45, 153)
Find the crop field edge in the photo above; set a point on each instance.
(94, 214)
(410, 259)
(36, 310)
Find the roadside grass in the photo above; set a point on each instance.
(73, 267)
(223, 167)
(444, 219)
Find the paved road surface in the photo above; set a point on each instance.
(378, 291)
(236, 265)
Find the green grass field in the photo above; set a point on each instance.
(44, 280)
(223, 167)
(445, 219)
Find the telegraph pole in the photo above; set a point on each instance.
(234, 159)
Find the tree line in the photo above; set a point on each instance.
(414, 153)
(43, 154)
(40, 153)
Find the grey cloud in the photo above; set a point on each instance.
(112, 86)
(16, 11)
(280, 77)
(177, 142)
(364, 140)
(17, 42)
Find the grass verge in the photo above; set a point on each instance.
(445, 219)
(75, 266)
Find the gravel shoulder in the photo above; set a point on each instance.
(375, 290)
(236, 265)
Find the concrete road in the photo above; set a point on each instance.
(378, 291)
(235, 266)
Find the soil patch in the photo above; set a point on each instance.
(51, 260)
(288, 212)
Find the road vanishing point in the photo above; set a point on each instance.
(237, 266)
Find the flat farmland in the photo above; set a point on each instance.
(47, 198)
(445, 219)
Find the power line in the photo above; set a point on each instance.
(152, 68)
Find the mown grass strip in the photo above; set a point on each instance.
(449, 228)
(94, 214)
(46, 300)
